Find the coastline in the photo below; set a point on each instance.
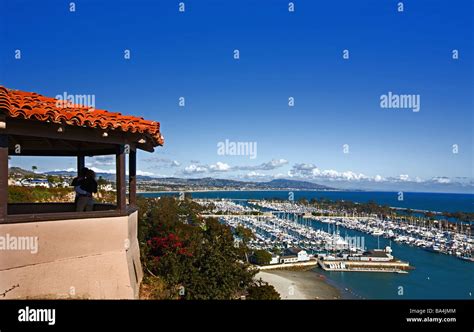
(232, 190)
(299, 285)
(398, 208)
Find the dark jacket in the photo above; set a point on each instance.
(76, 181)
(89, 185)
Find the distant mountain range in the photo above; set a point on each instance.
(224, 183)
(199, 183)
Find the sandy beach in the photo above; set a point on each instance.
(299, 285)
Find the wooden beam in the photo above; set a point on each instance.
(70, 144)
(81, 163)
(38, 146)
(120, 179)
(12, 141)
(132, 178)
(3, 176)
(75, 133)
(49, 142)
(59, 153)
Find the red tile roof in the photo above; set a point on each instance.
(30, 105)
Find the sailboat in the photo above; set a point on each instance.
(434, 248)
(328, 221)
(377, 232)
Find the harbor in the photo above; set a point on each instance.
(432, 239)
(283, 232)
(291, 224)
(435, 275)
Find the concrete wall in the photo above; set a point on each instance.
(97, 258)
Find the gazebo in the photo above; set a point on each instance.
(91, 254)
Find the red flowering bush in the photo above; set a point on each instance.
(190, 253)
(168, 256)
(162, 246)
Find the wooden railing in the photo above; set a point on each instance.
(33, 212)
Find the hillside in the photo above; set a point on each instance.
(171, 183)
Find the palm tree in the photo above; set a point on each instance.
(447, 215)
(34, 168)
(409, 213)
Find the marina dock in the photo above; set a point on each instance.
(309, 264)
(342, 265)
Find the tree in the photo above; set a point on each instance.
(276, 250)
(303, 201)
(217, 271)
(34, 168)
(245, 235)
(261, 257)
(429, 215)
(261, 290)
(188, 251)
(101, 181)
(52, 179)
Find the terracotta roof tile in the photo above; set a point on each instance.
(30, 105)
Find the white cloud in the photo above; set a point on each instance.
(275, 163)
(101, 170)
(303, 170)
(441, 179)
(100, 161)
(162, 162)
(193, 169)
(310, 171)
(71, 169)
(254, 174)
(219, 167)
(224, 167)
(404, 177)
(106, 171)
(378, 178)
(270, 165)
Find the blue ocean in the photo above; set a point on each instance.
(414, 200)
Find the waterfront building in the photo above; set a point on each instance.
(275, 259)
(293, 255)
(376, 256)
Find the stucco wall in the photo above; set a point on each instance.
(96, 258)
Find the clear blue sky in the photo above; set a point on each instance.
(282, 54)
